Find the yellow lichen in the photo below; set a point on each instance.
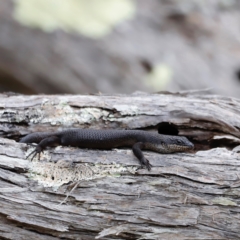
(93, 18)
(224, 201)
(159, 77)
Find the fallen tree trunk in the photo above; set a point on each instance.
(192, 195)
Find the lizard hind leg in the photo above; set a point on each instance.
(46, 142)
(36, 151)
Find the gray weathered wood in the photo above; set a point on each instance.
(191, 195)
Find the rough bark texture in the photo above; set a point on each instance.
(186, 195)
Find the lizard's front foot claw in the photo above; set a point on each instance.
(148, 165)
(145, 164)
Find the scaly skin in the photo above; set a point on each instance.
(107, 139)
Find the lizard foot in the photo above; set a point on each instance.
(35, 152)
(145, 164)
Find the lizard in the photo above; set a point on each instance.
(138, 140)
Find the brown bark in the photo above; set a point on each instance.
(186, 195)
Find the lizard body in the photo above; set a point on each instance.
(138, 140)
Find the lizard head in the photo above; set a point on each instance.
(176, 144)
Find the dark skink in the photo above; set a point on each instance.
(138, 140)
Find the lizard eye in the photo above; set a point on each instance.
(179, 141)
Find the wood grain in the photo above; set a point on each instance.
(192, 195)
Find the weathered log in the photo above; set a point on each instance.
(192, 195)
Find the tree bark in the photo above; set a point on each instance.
(193, 195)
